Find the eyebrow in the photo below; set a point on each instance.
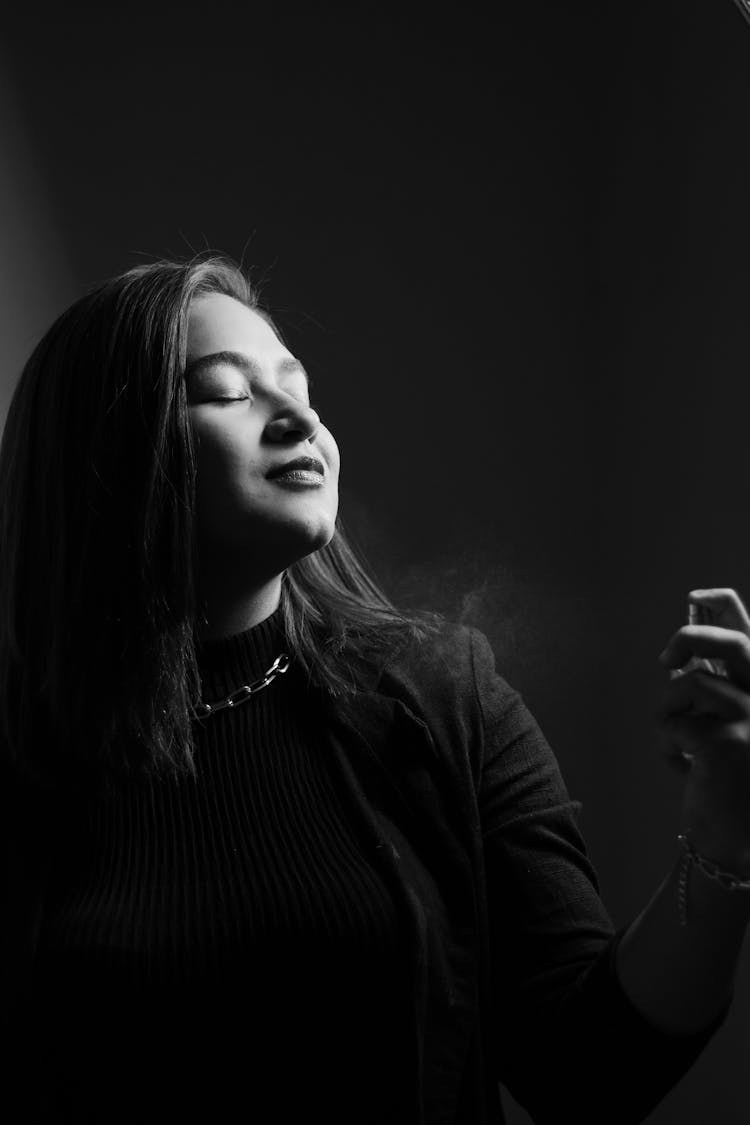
(244, 363)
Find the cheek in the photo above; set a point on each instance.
(230, 476)
(331, 450)
(225, 472)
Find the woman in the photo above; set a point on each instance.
(353, 889)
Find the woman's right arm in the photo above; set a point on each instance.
(569, 1043)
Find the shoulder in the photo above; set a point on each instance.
(457, 662)
(451, 682)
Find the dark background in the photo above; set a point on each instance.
(511, 245)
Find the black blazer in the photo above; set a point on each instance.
(512, 951)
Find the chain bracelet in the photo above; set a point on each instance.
(279, 666)
(690, 857)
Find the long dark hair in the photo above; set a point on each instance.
(98, 610)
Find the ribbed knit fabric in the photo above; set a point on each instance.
(221, 950)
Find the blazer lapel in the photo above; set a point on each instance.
(406, 799)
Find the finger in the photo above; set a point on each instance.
(715, 666)
(696, 735)
(675, 758)
(728, 645)
(706, 694)
(688, 735)
(725, 605)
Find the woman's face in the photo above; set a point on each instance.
(250, 410)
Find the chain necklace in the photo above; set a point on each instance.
(279, 666)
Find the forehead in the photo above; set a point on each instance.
(217, 323)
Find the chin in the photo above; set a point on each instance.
(296, 539)
(320, 536)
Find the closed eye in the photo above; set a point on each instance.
(244, 398)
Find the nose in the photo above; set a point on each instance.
(294, 421)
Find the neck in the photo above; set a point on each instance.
(227, 610)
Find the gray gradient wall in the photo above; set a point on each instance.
(512, 247)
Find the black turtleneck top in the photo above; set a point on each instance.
(220, 949)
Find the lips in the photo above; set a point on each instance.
(311, 464)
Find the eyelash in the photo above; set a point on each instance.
(242, 398)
